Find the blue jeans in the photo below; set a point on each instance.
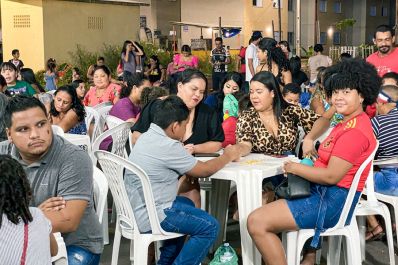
(201, 227)
(81, 256)
(386, 181)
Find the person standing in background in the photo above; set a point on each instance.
(15, 59)
(241, 65)
(251, 59)
(318, 60)
(128, 57)
(219, 59)
(386, 58)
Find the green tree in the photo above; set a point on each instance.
(343, 24)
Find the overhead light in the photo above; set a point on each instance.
(230, 32)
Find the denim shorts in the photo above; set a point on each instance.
(306, 210)
(386, 181)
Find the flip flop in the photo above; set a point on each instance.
(376, 237)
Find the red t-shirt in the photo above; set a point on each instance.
(229, 127)
(384, 64)
(352, 141)
(242, 54)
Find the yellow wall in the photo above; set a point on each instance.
(29, 40)
(57, 26)
(66, 24)
(260, 18)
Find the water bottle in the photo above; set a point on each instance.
(227, 253)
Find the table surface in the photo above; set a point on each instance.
(248, 174)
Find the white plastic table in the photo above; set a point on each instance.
(248, 175)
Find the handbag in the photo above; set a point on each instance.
(295, 187)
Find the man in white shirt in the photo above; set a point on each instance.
(251, 55)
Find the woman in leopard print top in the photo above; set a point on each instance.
(271, 125)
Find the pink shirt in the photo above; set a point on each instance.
(110, 94)
(193, 63)
(384, 64)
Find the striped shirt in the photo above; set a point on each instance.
(385, 127)
(12, 240)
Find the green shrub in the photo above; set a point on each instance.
(165, 57)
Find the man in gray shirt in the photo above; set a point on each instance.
(61, 177)
(161, 154)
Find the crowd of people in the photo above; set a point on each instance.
(47, 185)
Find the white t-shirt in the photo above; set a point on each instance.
(251, 53)
(12, 239)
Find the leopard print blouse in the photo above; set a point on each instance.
(251, 129)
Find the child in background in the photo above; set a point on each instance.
(76, 74)
(15, 59)
(14, 86)
(151, 93)
(51, 75)
(232, 105)
(390, 78)
(291, 93)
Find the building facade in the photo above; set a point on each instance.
(319, 19)
(249, 15)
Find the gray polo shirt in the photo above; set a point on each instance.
(163, 159)
(67, 171)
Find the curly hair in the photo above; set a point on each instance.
(353, 74)
(15, 192)
(151, 93)
(76, 106)
(274, 54)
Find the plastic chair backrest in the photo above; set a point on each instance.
(109, 160)
(119, 134)
(104, 111)
(92, 116)
(370, 189)
(114, 174)
(103, 104)
(100, 192)
(112, 121)
(353, 189)
(62, 256)
(80, 140)
(57, 130)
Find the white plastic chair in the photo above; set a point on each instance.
(120, 135)
(126, 225)
(112, 121)
(93, 117)
(103, 104)
(297, 239)
(100, 201)
(104, 111)
(80, 140)
(62, 257)
(371, 206)
(57, 130)
(392, 200)
(100, 192)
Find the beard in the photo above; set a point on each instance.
(384, 49)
